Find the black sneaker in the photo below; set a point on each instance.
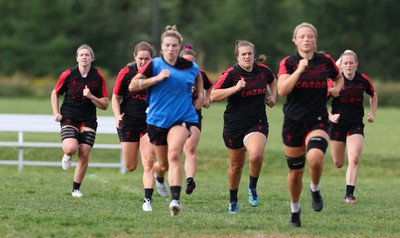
(317, 202)
(190, 186)
(350, 199)
(295, 219)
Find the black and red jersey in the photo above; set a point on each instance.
(306, 103)
(207, 84)
(133, 103)
(350, 102)
(247, 106)
(71, 83)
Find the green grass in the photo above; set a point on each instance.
(37, 202)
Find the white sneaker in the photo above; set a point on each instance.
(76, 193)
(174, 207)
(162, 188)
(66, 162)
(147, 205)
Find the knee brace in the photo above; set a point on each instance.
(87, 137)
(296, 163)
(317, 142)
(69, 132)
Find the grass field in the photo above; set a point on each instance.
(37, 202)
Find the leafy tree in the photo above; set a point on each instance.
(39, 37)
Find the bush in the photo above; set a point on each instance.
(19, 85)
(388, 93)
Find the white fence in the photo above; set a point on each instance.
(22, 123)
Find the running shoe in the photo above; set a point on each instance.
(253, 197)
(317, 202)
(76, 193)
(295, 219)
(233, 208)
(147, 205)
(162, 188)
(350, 199)
(190, 186)
(66, 162)
(174, 207)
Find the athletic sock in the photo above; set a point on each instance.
(350, 189)
(175, 192)
(160, 179)
(253, 182)
(76, 186)
(148, 193)
(294, 207)
(233, 195)
(314, 187)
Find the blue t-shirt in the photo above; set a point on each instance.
(170, 100)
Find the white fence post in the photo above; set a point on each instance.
(20, 151)
(122, 168)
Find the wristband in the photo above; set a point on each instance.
(140, 83)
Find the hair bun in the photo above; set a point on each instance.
(187, 47)
(171, 28)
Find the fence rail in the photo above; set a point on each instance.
(23, 123)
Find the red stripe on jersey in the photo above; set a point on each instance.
(282, 68)
(143, 69)
(330, 85)
(264, 66)
(120, 77)
(61, 80)
(206, 76)
(207, 83)
(333, 61)
(370, 84)
(104, 86)
(222, 78)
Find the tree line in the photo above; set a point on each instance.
(40, 37)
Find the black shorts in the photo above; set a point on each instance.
(158, 135)
(198, 125)
(131, 134)
(130, 130)
(91, 123)
(234, 138)
(294, 133)
(340, 132)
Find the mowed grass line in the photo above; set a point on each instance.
(37, 201)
